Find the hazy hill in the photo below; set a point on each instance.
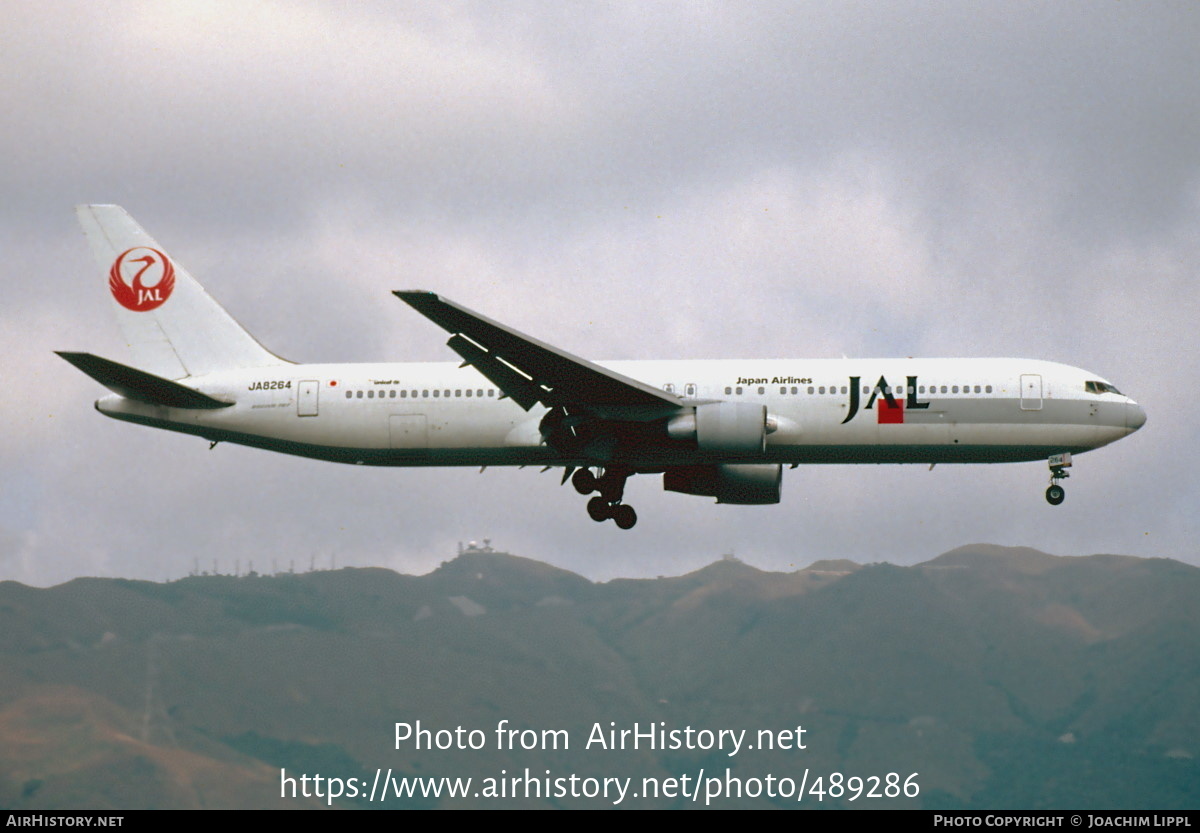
(1004, 677)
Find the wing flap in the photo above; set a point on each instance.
(531, 371)
(515, 385)
(140, 385)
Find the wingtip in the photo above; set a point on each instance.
(79, 361)
(413, 294)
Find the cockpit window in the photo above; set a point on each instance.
(1101, 387)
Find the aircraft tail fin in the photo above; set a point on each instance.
(140, 385)
(174, 328)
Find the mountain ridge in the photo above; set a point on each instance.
(987, 669)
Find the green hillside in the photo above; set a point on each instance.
(1006, 678)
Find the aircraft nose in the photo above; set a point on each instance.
(1135, 416)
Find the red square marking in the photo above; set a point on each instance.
(889, 413)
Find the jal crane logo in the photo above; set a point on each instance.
(141, 278)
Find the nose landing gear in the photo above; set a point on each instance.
(607, 504)
(1059, 463)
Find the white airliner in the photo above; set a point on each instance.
(721, 429)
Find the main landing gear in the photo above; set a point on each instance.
(1059, 463)
(607, 504)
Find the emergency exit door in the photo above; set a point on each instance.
(306, 398)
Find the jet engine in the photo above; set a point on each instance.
(730, 427)
(744, 484)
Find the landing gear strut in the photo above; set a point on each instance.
(1059, 463)
(607, 504)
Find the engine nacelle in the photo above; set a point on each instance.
(726, 427)
(744, 484)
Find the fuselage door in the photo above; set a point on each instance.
(306, 398)
(1031, 392)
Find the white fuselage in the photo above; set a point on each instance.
(437, 414)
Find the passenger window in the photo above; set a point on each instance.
(425, 394)
(761, 391)
(349, 394)
(359, 394)
(403, 394)
(728, 391)
(988, 389)
(954, 389)
(491, 391)
(821, 389)
(690, 390)
(479, 392)
(739, 390)
(811, 389)
(468, 392)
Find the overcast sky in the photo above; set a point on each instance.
(626, 181)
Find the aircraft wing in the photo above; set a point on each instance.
(530, 371)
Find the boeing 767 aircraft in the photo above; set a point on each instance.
(722, 429)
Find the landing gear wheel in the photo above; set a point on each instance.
(609, 488)
(1055, 495)
(598, 509)
(584, 481)
(624, 516)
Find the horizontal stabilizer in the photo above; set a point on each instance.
(140, 385)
